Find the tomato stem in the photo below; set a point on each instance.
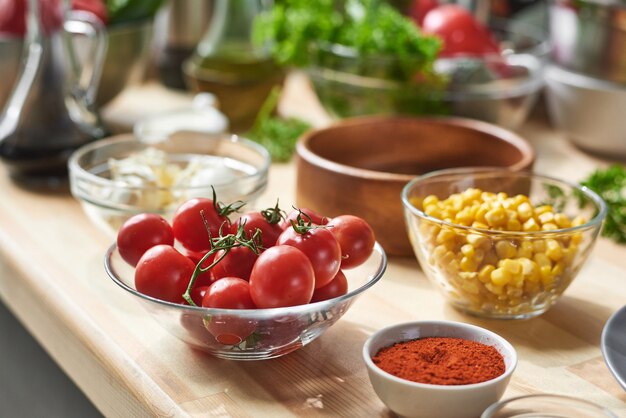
(226, 243)
(223, 209)
(274, 215)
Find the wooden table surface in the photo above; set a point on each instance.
(52, 278)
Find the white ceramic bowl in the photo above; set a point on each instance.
(420, 400)
(589, 110)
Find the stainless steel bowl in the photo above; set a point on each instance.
(589, 110)
(589, 36)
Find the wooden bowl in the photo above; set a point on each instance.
(359, 166)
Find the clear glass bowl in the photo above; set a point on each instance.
(109, 203)
(553, 406)
(252, 334)
(498, 88)
(437, 243)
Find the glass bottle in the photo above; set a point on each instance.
(51, 110)
(228, 64)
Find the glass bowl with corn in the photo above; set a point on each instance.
(498, 243)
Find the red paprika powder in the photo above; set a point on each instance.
(441, 361)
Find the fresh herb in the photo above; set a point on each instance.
(369, 27)
(128, 10)
(610, 184)
(277, 135)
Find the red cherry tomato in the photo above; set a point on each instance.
(197, 294)
(460, 32)
(13, 16)
(420, 8)
(189, 228)
(356, 239)
(254, 220)
(238, 262)
(322, 249)
(163, 273)
(282, 276)
(337, 287)
(141, 232)
(316, 218)
(229, 293)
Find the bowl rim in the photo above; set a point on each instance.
(269, 312)
(450, 324)
(597, 219)
(497, 405)
(76, 170)
(498, 133)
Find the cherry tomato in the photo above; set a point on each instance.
(238, 262)
(254, 220)
(460, 32)
(203, 279)
(316, 218)
(189, 228)
(356, 239)
(420, 8)
(163, 273)
(13, 16)
(282, 276)
(337, 287)
(229, 293)
(197, 294)
(322, 249)
(141, 232)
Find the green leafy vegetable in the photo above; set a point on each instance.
(610, 184)
(128, 10)
(369, 27)
(277, 135)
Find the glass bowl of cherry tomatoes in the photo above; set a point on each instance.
(491, 72)
(245, 287)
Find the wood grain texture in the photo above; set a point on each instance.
(54, 281)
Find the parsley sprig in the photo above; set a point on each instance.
(610, 184)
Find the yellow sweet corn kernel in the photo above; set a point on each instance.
(542, 260)
(496, 217)
(445, 235)
(562, 221)
(471, 194)
(482, 210)
(502, 196)
(495, 289)
(525, 249)
(470, 287)
(558, 269)
(468, 250)
(484, 275)
(547, 278)
(439, 252)
(433, 211)
(487, 196)
(539, 246)
(545, 217)
(477, 240)
(524, 211)
(543, 209)
(464, 217)
(505, 249)
(479, 255)
(512, 266)
(429, 200)
(500, 277)
(549, 227)
(578, 221)
(554, 250)
(577, 238)
(468, 264)
(513, 225)
(569, 254)
(530, 225)
(479, 225)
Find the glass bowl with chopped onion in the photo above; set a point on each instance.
(498, 243)
(121, 176)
